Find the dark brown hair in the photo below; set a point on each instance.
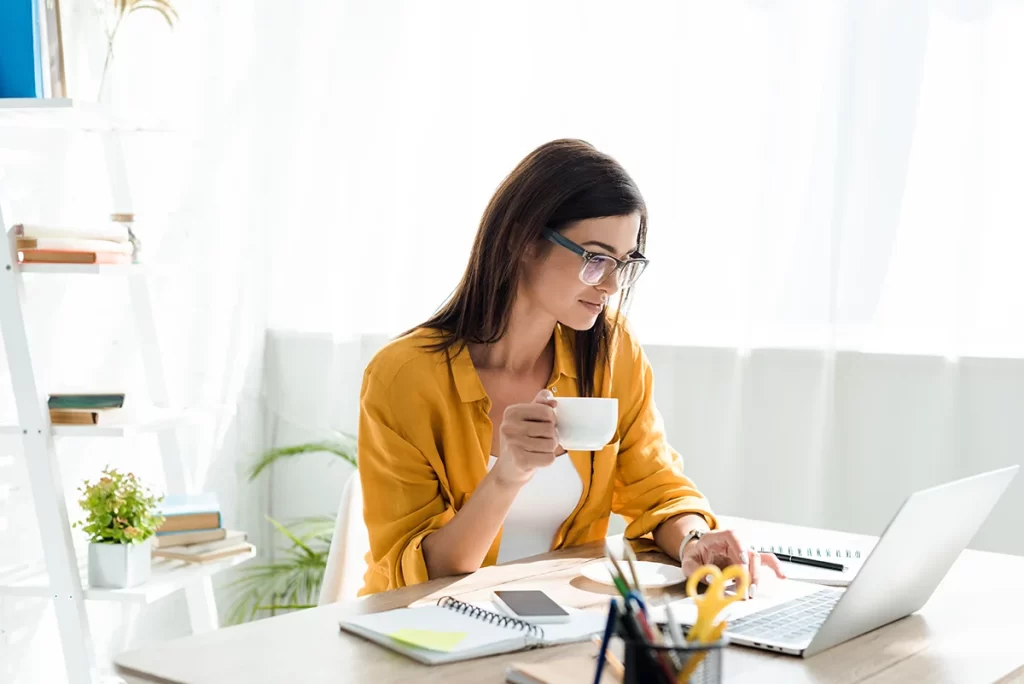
(557, 184)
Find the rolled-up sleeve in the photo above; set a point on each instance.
(402, 496)
(650, 485)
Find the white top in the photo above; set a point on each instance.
(539, 509)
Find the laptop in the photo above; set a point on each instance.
(915, 552)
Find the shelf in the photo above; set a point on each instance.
(168, 576)
(147, 420)
(64, 114)
(83, 269)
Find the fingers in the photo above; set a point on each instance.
(532, 426)
(754, 569)
(725, 548)
(535, 412)
(772, 562)
(546, 398)
(728, 545)
(537, 460)
(737, 553)
(538, 445)
(690, 562)
(538, 430)
(528, 432)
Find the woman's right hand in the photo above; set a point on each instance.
(528, 440)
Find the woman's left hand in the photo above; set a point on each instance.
(723, 548)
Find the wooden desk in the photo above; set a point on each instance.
(934, 645)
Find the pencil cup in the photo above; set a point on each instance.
(645, 663)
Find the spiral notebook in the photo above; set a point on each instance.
(452, 630)
(851, 557)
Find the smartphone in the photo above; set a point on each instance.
(531, 606)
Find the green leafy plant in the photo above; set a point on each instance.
(341, 445)
(119, 509)
(291, 582)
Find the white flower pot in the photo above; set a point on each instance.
(118, 566)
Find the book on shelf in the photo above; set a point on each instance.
(74, 245)
(187, 522)
(228, 539)
(188, 537)
(86, 417)
(87, 401)
(54, 256)
(234, 542)
(86, 409)
(113, 232)
(189, 512)
(208, 557)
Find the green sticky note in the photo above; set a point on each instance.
(428, 638)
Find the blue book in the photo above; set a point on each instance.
(189, 513)
(21, 62)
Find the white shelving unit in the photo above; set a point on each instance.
(152, 419)
(68, 114)
(62, 577)
(168, 577)
(83, 269)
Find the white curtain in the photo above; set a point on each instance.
(819, 174)
(832, 307)
(832, 188)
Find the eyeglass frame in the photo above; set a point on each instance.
(559, 239)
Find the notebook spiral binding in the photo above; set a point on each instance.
(823, 553)
(488, 616)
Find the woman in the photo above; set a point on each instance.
(458, 451)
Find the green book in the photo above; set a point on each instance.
(85, 401)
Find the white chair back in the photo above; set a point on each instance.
(346, 560)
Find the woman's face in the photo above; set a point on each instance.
(552, 280)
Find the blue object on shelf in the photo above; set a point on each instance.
(188, 504)
(21, 73)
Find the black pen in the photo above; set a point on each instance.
(802, 560)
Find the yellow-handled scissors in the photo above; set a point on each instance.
(709, 605)
(714, 600)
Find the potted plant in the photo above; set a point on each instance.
(292, 581)
(120, 518)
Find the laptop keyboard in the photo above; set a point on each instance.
(794, 621)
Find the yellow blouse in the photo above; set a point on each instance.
(425, 437)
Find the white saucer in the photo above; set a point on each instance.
(652, 575)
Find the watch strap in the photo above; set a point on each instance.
(692, 535)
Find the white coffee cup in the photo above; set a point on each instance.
(585, 423)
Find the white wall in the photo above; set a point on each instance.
(776, 434)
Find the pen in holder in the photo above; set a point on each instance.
(643, 660)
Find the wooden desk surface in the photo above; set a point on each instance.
(982, 591)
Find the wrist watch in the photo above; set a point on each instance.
(692, 535)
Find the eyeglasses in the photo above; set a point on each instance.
(597, 267)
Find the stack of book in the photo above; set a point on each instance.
(192, 531)
(86, 409)
(101, 244)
